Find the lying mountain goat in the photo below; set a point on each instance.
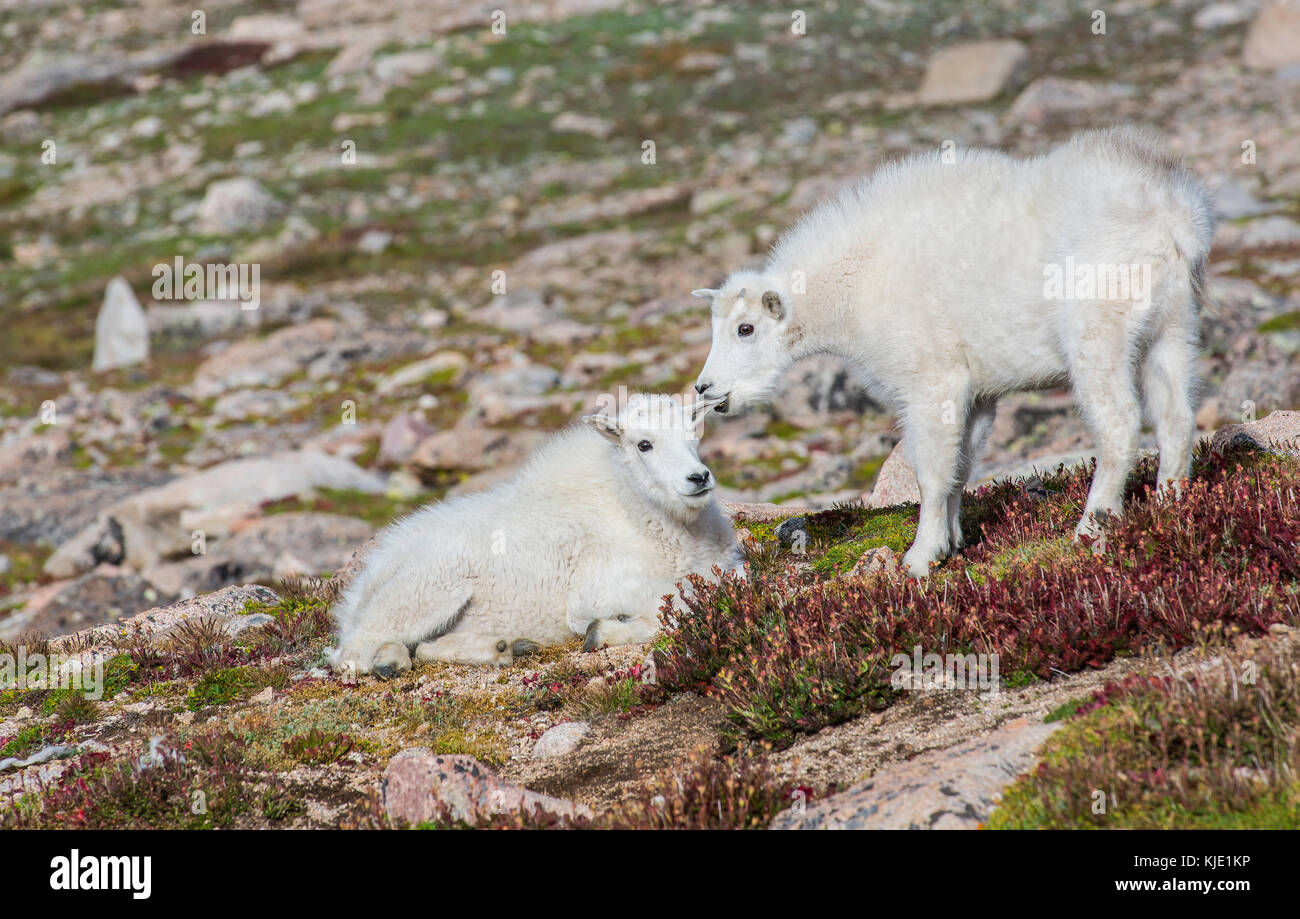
(602, 521)
(947, 280)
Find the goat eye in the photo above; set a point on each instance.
(622, 617)
(645, 446)
(745, 330)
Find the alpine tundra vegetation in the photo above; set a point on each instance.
(939, 281)
(465, 240)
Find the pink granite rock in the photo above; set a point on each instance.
(421, 785)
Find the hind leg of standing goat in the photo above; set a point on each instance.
(1106, 392)
(1168, 384)
(979, 424)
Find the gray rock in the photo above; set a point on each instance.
(121, 329)
(159, 523)
(420, 371)
(234, 205)
(1222, 15)
(956, 788)
(1278, 432)
(787, 533)
(561, 739)
(400, 67)
(101, 596)
(269, 549)
(471, 449)
(575, 123)
(1049, 97)
(41, 77)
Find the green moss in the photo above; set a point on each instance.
(1287, 322)
(26, 563)
(28, 740)
(892, 527)
(376, 509)
(219, 687)
(1066, 710)
(1043, 552)
(864, 475)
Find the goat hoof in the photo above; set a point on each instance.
(593, 641)
(523, 647)
(390, 660)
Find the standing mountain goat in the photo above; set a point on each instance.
(603, 520)
(945, 285)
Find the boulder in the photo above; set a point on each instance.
(1050, 97)
(265, 361)
(422, 786)
(121, 329)
(159, 523)
(895, 482)
(269, 549)
(1278, 432)
(954, 788)
(1273, 41)
(101, 596)
(401, 435)
(42, 77)
(971, 72)
(471, 449)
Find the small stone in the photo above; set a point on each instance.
(575, 123)
(789, 531)
(971, 72)
(561, 739)
(880, 560)
(235, 205)
(265, 697)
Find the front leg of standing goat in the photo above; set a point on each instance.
(934, 440)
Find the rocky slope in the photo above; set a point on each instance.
(464, 236)
(218, 711)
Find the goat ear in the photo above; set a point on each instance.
(705, 293)
(605, 426)
(772, 303)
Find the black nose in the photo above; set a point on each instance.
(701, 387)
(698, 478)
